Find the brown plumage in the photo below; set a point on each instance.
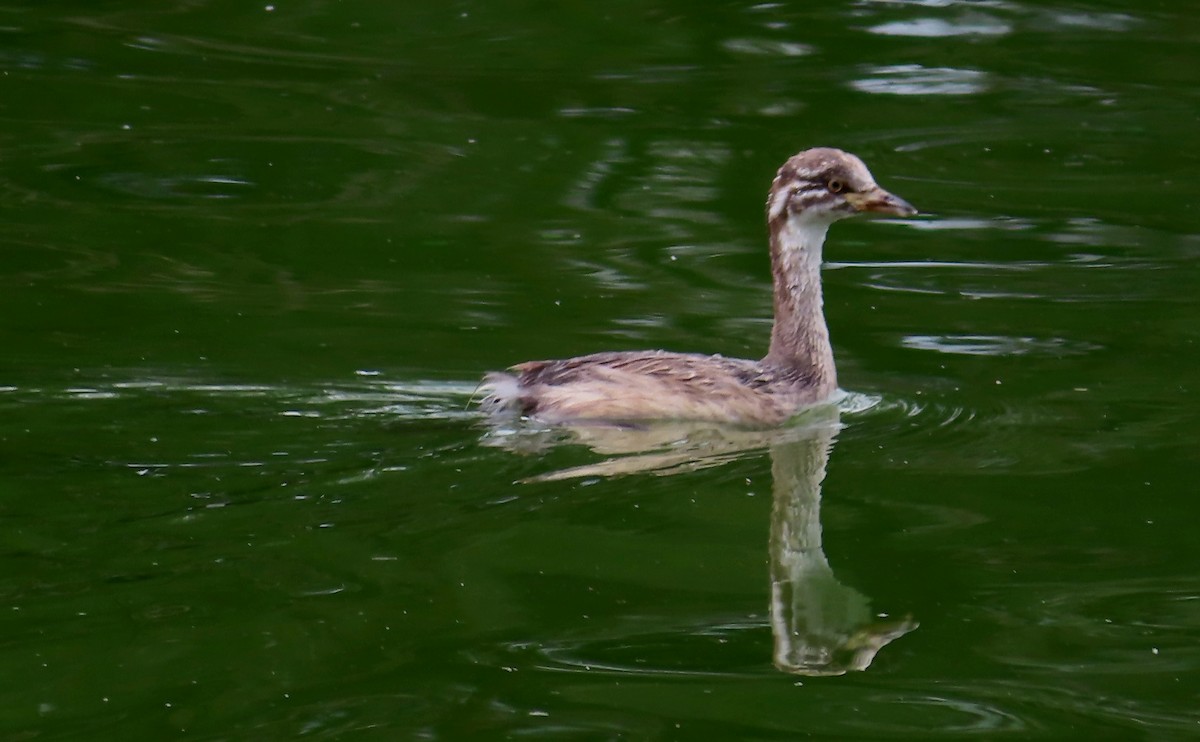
(811, 191)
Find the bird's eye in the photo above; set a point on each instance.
(836, 186)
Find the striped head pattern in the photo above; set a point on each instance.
(822, 185)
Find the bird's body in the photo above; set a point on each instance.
(657, 385)
(811, 191)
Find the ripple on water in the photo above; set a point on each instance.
(889, 416)
(971, 25)
(929, 434)
(1000, 705)
(766, 47)
(915, 79)
(26, 262)
(979, 439)
(184, 186)
(992, 17)
(648, 649)
(997, 345)
(715, 655)
(1107, 252)
(370, 397)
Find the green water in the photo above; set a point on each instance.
(255, 257)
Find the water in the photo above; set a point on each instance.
(256, 258)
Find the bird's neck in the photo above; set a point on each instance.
(800, 337)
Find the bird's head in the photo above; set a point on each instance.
(822, 185)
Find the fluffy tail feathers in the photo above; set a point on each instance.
(501, 394)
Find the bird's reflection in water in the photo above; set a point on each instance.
(820, 626)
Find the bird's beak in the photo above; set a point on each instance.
(881, 202)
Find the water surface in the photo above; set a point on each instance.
(256, 258)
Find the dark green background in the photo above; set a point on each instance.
(254, 258)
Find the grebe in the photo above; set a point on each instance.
(812, 190)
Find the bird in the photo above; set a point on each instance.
(811, 191)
